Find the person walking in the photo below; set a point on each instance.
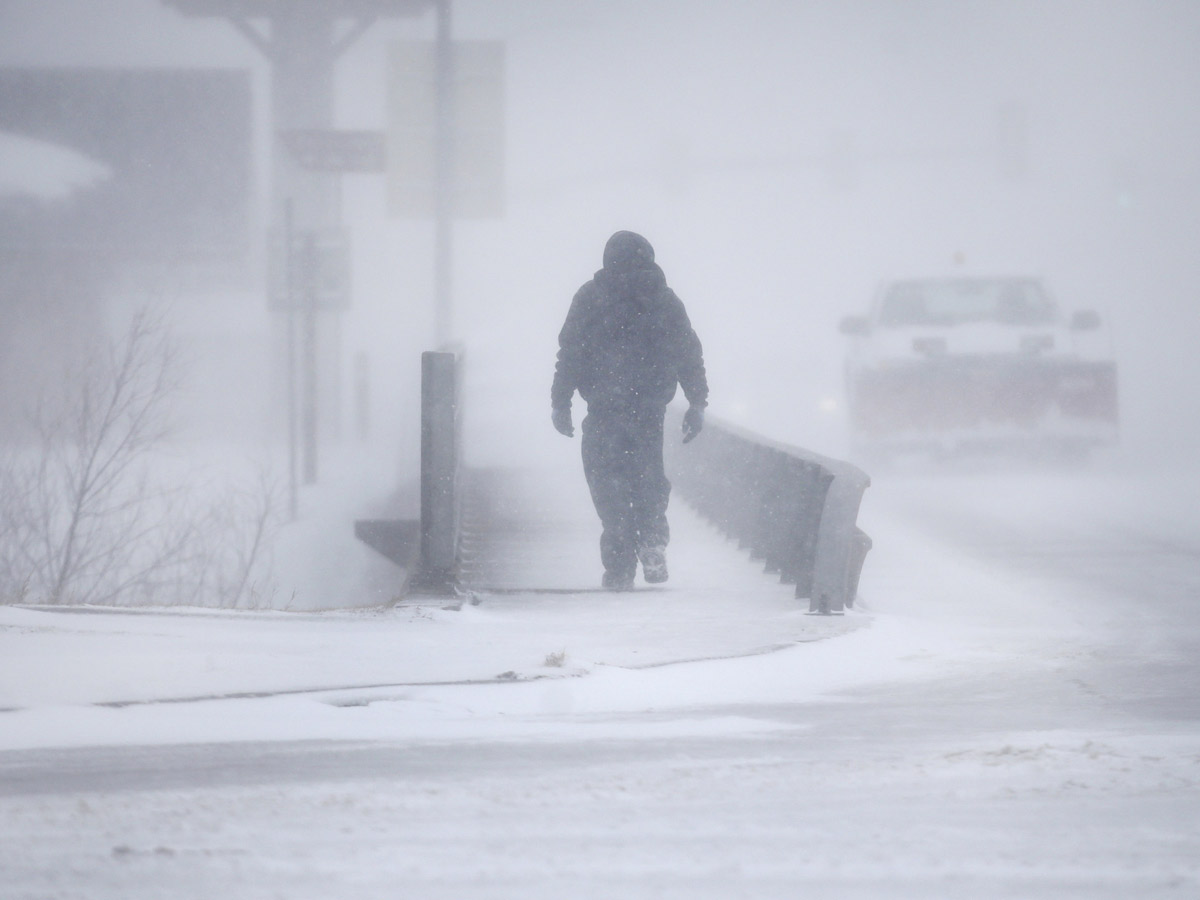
(626, 346)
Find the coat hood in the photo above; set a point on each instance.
(627, 251)
(630, 274)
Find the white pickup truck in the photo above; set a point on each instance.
(947, 365)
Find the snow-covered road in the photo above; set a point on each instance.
(1010, 712)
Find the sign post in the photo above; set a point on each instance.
(334, 150)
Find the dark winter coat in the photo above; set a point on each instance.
(627, 341)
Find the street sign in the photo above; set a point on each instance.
(330, 150)
(477, 129)
(313, 273)
(249, 9)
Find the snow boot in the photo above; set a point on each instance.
(613, 581)
(654, 564)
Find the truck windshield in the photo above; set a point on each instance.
(1009, 301)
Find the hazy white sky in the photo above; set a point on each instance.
(782, 157)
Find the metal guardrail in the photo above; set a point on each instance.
(794, 509)
(428, 549)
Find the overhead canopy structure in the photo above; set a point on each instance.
(337, 8)
(43, 170)
(311, 17)
(167, 152)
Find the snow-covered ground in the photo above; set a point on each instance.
(1009, 712)
(33, 168)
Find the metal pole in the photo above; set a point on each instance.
(362, 395)
(309, 362)
(289, 262)
(439, 470)
(444, 177)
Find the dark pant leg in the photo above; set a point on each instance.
(651, 489)
(607, 457)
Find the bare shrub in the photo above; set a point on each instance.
(86, 515)
(232, 566)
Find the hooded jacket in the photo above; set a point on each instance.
(627, 341)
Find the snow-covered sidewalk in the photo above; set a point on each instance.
(974, 729)
(531, 610)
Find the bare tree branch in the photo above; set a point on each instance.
(85, 520)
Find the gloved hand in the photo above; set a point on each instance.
(693, 422)
(561, 417)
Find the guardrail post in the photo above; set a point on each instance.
(840, 549)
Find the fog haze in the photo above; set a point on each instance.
(782, 158)
(1004, 704)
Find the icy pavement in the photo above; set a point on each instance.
(530, 608)
(994, 720)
